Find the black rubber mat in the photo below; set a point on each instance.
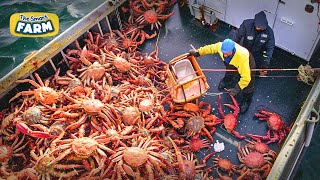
(283, 95)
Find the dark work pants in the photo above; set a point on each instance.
(259, 59)
(232, 78)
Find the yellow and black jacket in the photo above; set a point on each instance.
(240, 60)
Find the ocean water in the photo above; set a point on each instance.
(309, 169)
(14, 49)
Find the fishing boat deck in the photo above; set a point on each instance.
(283, 95)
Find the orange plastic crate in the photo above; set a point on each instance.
(186, 80)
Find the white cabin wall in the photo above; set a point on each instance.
(295, 29)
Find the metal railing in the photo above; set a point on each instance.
(56, 46)
(292, 148)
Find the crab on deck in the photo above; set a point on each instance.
(194, 118)
(230, 121)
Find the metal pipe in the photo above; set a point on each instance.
(100, 29)
(52, 64)
(64, 58)
(118, 18)
(310, 127)
(234, 70)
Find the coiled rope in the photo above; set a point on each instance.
(306, 74)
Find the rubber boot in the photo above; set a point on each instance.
(245, 105)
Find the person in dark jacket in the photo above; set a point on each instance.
(258, 38)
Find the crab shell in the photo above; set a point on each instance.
(275, 122)
(46, 95)
(151, 16)
(121, 64)
(96, 71)
(195, 124)
(84, 147)
(230, 122)
(93, 106)
(135, 156)
(129, 115)
(146, 105)
(254, 160)
(195, 144)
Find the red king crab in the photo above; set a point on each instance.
(43, 168)
(82, 148)
(275, 124)
(189, 166)
(7, 123)
(153, 67)
(250, 175)
(111, 43)
(33, 116)
(221, 177)
(173, 134)
(224, 164)
(151, 110)
(230, 120)
(195, 119)
(71, 84)
(23, 174)
(102, 91)
(79, 55)
(260, 147)
(132, 28)
(69, 79)
(115, 135)
(122, 65)
(255, 161)
(142, 155)
(92, 42)
(7, 152)
(151, 16)
(98, 70)
(42, 93)
(140, 106)
(129, 115)
(127, 42)
(195, 143)
(91, 108)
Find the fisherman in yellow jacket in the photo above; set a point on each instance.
(235, 57)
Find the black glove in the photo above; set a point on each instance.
(234, 91)
(194, 53)
(264, 65)
(265, 61)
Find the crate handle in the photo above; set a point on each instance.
(182, 56)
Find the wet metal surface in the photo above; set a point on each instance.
(284, 96)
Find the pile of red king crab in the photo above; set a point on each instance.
(110, 116)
